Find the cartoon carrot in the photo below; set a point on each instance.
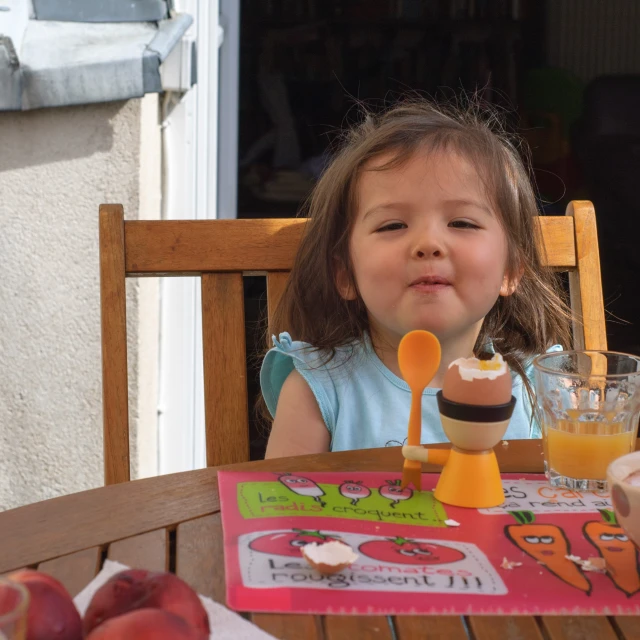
(616, 549)
(548, 544)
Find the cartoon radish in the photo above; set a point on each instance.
(394, 492)
(548, 545)
(402, 551)
(302, 487)
(354, 491)
(617, 550)
(287, 543)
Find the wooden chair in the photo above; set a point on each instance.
(221, 252)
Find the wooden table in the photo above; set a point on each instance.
(173, 522)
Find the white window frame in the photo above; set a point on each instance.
(198, 128)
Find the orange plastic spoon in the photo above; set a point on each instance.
(419, 358)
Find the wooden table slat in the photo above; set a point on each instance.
(147, 551)
(507, 628)
(362, 627)
(289, 626)
(75, 570)
(628, 627)
(430, 627)
(200, 556)
(578, 628)
(96, 517)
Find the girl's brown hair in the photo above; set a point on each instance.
(519, 326)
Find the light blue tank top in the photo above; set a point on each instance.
(363, 404)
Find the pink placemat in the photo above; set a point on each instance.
(529, 556)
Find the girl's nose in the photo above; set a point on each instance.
(428, 247)
(421, 254)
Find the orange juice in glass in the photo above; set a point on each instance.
(588, 403)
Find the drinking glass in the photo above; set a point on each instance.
(589, 405)
(14, 603)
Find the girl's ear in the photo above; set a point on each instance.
(345, 286)
(510, 283)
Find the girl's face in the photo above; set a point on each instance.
(427, 248)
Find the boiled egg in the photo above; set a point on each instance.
(478, 382)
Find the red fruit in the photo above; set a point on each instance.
(287, 543)
(403, 551)
(52, 614)
(146, 624)
(135, 589)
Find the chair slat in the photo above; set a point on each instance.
(490, 627)
(200, 556)
(589, 328)
(115, 399)
(147, 551)
(75, 570)
(559, 250)
(225, 369)
(193, 247)
(583, 627)
(276, 283)
(431, 627)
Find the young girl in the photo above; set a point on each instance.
(423, 220)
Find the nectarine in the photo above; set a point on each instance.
(146, 624)
(52, 614)
(139, 589)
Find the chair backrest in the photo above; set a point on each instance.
(221, 252)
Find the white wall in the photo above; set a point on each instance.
(56, 167)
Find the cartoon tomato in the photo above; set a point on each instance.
(302, 486)
(287, 543)
(354, 490)
(402, 551)
(394, 492)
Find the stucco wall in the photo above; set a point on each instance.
(56, 167)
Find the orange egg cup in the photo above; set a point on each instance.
(470, 474)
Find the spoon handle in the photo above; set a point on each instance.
(415, 418)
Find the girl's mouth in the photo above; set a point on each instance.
(430, 285)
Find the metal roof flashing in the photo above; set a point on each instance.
(64, 63)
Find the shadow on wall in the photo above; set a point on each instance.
(31, 140)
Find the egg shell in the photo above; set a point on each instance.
(479, 391)
(332, 565)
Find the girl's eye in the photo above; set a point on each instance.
(463, 224)
(393, 226)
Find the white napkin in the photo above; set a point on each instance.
(225, 624)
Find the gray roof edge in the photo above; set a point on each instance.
(101, 10)
(169, 34)
(24, 87)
